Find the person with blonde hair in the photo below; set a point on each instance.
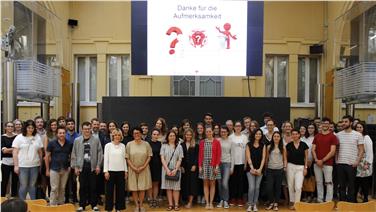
(189, 167)
(115, 171)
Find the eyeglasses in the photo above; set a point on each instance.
(9, 125)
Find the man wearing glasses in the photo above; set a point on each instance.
(87, 157)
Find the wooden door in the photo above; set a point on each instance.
(66, 92)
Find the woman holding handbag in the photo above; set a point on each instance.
(209, 159)
(171, 157)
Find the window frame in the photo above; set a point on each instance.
(197, 81)
(275, 76)
(307, 59)
(119, 81)
(87, 101)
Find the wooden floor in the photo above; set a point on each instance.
(195, 208)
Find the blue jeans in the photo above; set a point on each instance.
(223, 183)
(253, 188)
(28, 180)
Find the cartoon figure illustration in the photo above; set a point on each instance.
(227, 33)
(198, 38)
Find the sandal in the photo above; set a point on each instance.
(170, 207)
(176, 208)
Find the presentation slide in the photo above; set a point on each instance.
(188, 37)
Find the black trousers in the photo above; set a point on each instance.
(8, 171)
(117, 181)
(346, 180)
(88, 188)
(237, 182)
(71, 187)
(364, 183)
(274, 179)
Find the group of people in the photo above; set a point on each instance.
(186, 162)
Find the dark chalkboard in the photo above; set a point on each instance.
(174, 109)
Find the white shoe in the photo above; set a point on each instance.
(198, 200)
(255, 208)
(225, 205)
(95, 208)
(203, 200)
(220, 204)
(250, 208)
(80, 209)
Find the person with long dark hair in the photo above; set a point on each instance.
(226, 167)
(138, 154)
(200, 131)
(276, 163)
(200, 134)
(184, 125)
(155, 168)
(297, 158)
(237, 179)
(160, 124)
(189, 167)
(364, 169)
(7, 164)
(171, 157)
(216, 131)
(208, 163)
(255, 156)
(51, 130)
(125, 129)
(308, 139)
(27, 157)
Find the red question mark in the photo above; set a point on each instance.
(175, 41)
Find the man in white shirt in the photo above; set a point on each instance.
(350, 152)
(246, 123)
(267, 116)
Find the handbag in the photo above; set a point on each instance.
(175, 177)
(309, 184)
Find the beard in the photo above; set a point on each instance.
(345, 127)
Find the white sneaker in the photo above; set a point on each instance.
(255, 208)
(220, 204)
(95, 208)
(203, 200)
(80, 209)
(198, 199)
(250, 208)
(225, 205)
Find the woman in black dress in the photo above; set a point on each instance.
(7, 165)
(127, 137)
(189, 165)
(155, 167)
